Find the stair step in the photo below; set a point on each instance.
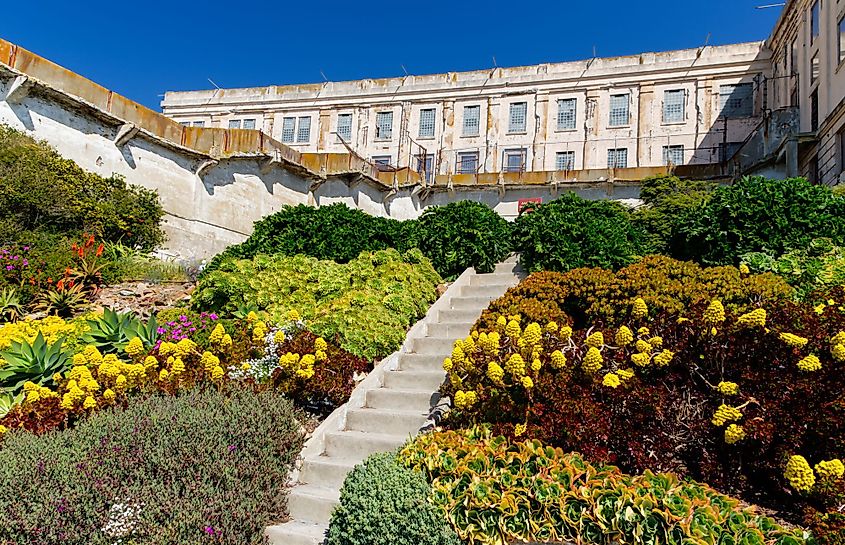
(389, 398)
(355, 444)
(326, 470)
(414, 380)
(423, 362)
(487, 291)
(452, 316)
(507, 267)
(494, 279)
(393, 422)
(435, 346)
(469, 303)
(311, 503)
(296, 532)
(451, 331)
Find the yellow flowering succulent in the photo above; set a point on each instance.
(611, 380)
(728, 388)
(227, 341)
(592, 360)
(810, 363)
(793, 340)
(217, 334)
(595, 340)
(3, 429)
(134, 347)
(656, 342)
(185, 347)
(625, 374)
(715, 313)
(447, 364)
(734, 434)
(640, 309)
(519, 429)
(464, 400)
(533, 333)
(643, 331)
(527, 383)
(495, 372)
(217, 373)
(664, 358)
(79, 359)
(536, 365)
(755, 318)
(320, 344)
(643, 346)
(515, 366)
(743, 269)
(838, 352)
(513, 330)
(109, 395)
(163, 375)
(624, 336)
(641, 359)
(89, 403)
(501, 323)
(565, 333)
(558, 360)
(830, 470)
(799, 474)
(551, 327)
(725, 414)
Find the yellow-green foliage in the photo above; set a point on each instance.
(52, 328)
(494, 492)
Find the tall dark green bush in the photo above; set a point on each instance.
(44, 192)
(384, 503)
(463, 234)
(203, 467)
(759, 215)
(571, 232)
(667, 200)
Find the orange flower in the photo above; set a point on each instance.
(100, 249)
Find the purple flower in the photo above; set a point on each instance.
(210, 530)
(161, 330)
(233, 448)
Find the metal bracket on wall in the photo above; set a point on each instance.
(18, 89)
(125, 133)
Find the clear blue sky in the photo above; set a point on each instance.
(142, 49)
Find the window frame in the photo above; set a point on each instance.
(344, 137)
(382, 161)
(815, 21)
(682, 113)
(433, 125)
(840, 43)
(249, 120)
(426, 161)
(616, 153)
(558, 156)
(300, 139)
(475, 108)
(514, 126)
(234, 124)
(669, 149)
(521, 153)
(459, 162)
(564, 115)
(292, 128)
(723, 103)
(613, 109)
(380, 116)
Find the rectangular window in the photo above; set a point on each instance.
(673, 106)
(185, 123)
(617, 158)
(793, 57)
(618, 111)
(565, 160)
(514, 160)
(425, 166)
(673, 155)
(384, 125)
(199, 123)
(234, 123)
(814, 68)
(382, 162)
(303, 134)
(566, 114)
(472, 117)
(736, 100)
(344, 126)
(841, 147)
(427, 122)
(249, 123)
(814, 111)
(467, 162)
(516, 118)
(814, 21)
(288, 129)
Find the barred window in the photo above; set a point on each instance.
(815, 21)
(234, 123)
(565, 160)
(344, 126)
(199, 123)
(288, 129)
(566, 113)
(518, 113)
(304, 132)
(619, 110)
(384, 125)
(736, 100)
(467, 162)
(673, 106)
(382, 162)
(472, 116)
(515, 160)
(249, 123)
(425, 166)
(427, 123)
(617, 158)
(673, 155)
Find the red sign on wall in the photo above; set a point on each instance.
(522, 202)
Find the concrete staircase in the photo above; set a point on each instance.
(387, 408)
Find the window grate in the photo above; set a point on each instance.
(249, 123)
(673, 155)
(288, 129)
(382, 162)
(619, 110)
(425, 166)
(515, 160)
(427, 123)
(304, 132)
(518, 113)
(565, 160)
(566, 109)
(234, 123)
(673, 106)
(467, 162)
(617, 158)
(344, 126)
(736, 100)
(472, 116)
(384, 125)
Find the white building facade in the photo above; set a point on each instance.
(687, 107)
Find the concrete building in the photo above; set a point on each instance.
(688, 107)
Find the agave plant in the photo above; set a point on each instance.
(9, 400)
(63, 302)
(36, 362)
(113, 331)
(11, 308)
(148, 333)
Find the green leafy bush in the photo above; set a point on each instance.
(820, 265)
(667, 200)
(571, 232)
(759, 215)
(364, 306)
(384, 503)
(44, 192)
(201, 467)
(463, 234)
(495, 491)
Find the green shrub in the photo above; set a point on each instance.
(818, 266)
(495, 491)
(383, 503)
(196, 468)
(759, 215)
(44, 192)
(463, 234)
(364, 306)
(667, 200)
(571, 232)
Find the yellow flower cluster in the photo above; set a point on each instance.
(533, 333)
(551, 327)
(656, 342)
(135, 347)
(565, 333)
(513, 330)
(592, 361)
(611, 380)
(448, 365)
(715, 313)
(595, 340)
(465, 400)
(489, 342)
(515, 366)
(728, 388)
(810, 363)
(527, 383)
(640, 309)
(641, 359)
(625, 374)
(558, 360)
(624, 336)
(799, 474)
(643, 346)
(743, 269)
(34, 392)
(51, 328)
(725, 414)
(664, 358)
(495, 372)
(259, 331)
(734, 434)
(830, 470)
(755, 318)
(837, 351)
(793, 340)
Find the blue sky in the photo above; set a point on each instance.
(142, 49)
